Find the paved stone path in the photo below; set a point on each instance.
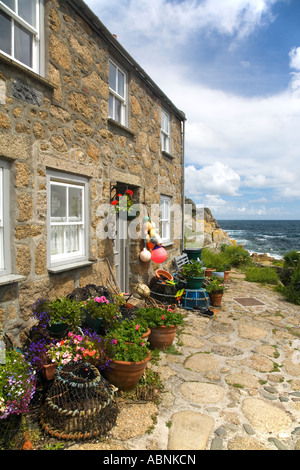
(235, 384)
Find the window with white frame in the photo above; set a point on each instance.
(165, 131)
(5, 267)
(21, 31)
(68, 219)
(165, 218)
(117, 93)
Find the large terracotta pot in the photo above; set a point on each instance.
(162, 337)
(125, 375)
(215, 299)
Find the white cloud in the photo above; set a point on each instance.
(215, 179)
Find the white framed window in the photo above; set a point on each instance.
(67, 219)
(165, 218)
(5, 261)
(165, 131)
(117, 93)
(21, 32)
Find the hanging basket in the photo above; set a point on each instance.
(80, 403)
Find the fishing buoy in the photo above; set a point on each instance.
(159, 254)
(145, 255)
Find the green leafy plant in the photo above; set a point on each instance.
(131, 330)
(60, 310)
(193, 269)
(156, 317)
(117, 348)
(216, 286)
(100, 307)
(17, 384)
(262, 275)
(291, 291)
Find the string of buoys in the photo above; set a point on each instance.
(152, 249)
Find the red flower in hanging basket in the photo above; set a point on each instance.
(129, 192)
(114, 203)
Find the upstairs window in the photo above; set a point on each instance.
(117, 94)
(165, 218)
(68, 226)
(165, 132)
(20, 31)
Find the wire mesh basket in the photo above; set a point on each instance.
(80, 403)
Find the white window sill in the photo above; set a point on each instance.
(167, 243)
(121, 126)
(167, 154)
(11, 278)
(68, 267)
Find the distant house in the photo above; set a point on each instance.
(80, 121)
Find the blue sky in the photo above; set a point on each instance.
(233, 66)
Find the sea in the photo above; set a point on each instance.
(272, 237)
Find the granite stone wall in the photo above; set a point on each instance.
(61, 122)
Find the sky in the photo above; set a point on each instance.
(233, 67)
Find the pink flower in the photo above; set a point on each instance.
(137, 327)
(162, 317)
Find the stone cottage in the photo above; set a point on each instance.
(80, 122)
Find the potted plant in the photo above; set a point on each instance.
(194, 274)
(133, 329)
(163, 324)
(215, 290)
(59, 314)
(100, 314)
(127, 360)
(122, 204)
(17, 384)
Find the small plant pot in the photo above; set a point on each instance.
(209, 271)
(215, 299)
(94, 323)
(162, 337)
(226, 275)
(125, 375)
(48, 371)
(57, 328)
(195, 282)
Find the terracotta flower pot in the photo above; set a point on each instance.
(215, 299)
(209, 271)
(226, 275)
(145, 336)
(48, 371)
(125, 375)
(162, 337)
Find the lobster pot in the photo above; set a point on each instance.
(80, 404)
(197, 298)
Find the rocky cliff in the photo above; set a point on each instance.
(213, 235)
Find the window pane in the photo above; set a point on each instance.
(10, 4)
(26, 9)
(57, 239)
(23, 46)
(73, 238)
(75, 204)
(111, 106)
(5, 33)
(121, 83)
(118, 108)
(112, 77)
(58, 203)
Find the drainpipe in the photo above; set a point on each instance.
(182, 179)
